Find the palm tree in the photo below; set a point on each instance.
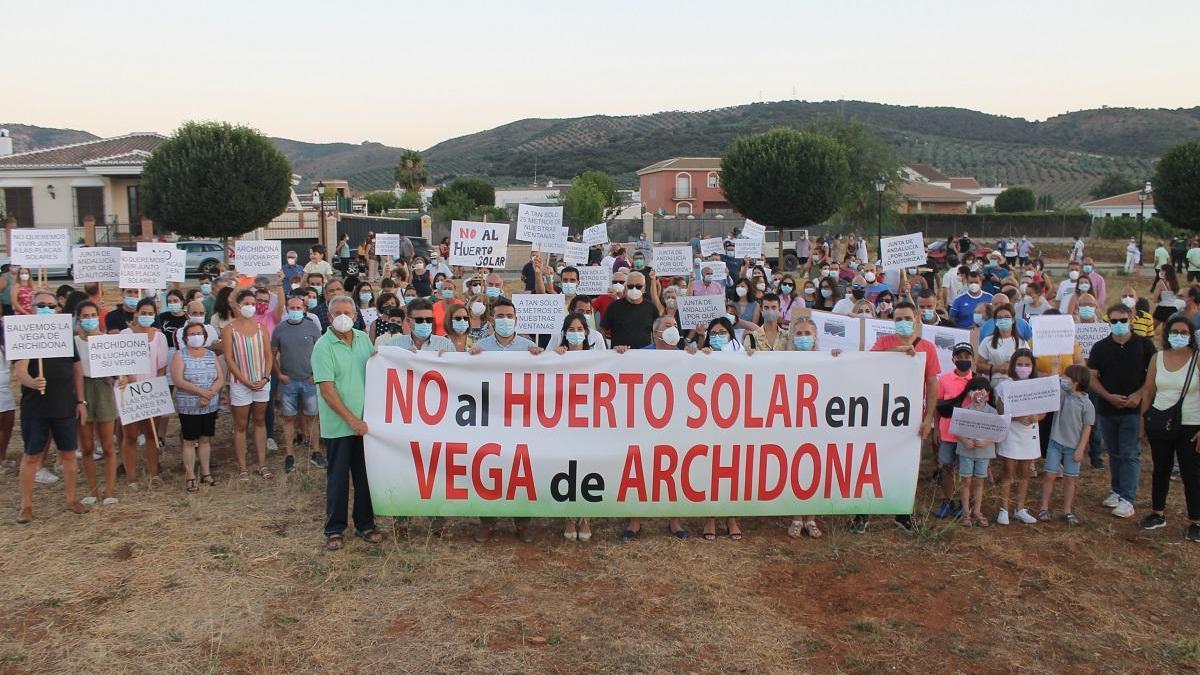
(410, 171)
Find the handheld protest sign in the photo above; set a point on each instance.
(476, 244)
(33, 336)
(96, 264)
(38, 248)
(904, 251)
(539, 313)
(596, 234)
(540, 225)
(144, 399)
(256, 257)
(115, 355)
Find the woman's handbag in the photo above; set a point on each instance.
(1164, 425)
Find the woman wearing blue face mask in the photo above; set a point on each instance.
(995, 351)
(143, 324)
(102, 413)
(720, 338)
(575, 338)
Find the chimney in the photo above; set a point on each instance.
(6, 143)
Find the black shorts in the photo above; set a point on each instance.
(192, 427)
(1164, 312)
(35, 431)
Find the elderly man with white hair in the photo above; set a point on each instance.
(629, 321)
(339, 364)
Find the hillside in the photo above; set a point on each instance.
(1063, 156)
(28, 137)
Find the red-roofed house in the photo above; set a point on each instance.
(922, 197)
(683, 186)
(1122, 205)
(59, 187)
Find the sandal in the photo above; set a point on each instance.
(207, 479)
(265, 472)
(155, 482)
(190, 485)
(334, 542)
(371, 536)
(811, 529)
(629, 535)
(981, 520)
(244, 476)
(795, 529)
(733, 536)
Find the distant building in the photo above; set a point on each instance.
(684, 186)
(1117, 206)
(924, 197)
(533, 195)
(924, 173)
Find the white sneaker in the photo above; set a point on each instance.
(109, 501)
(89, 501)
(272, 445)
(141, 439)
(1111, 501)
(1002, 517)
(1123, 510)
(98, 453)
(1024, 516)
(45, 476)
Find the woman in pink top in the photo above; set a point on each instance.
(143, 324)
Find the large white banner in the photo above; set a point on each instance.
(642, 434)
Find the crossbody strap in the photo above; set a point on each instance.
(1188, 380)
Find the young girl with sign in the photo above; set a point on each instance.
(574, 338)
(102, 412)
(143, 324)
(1021, 446)
(974, 455)
(1069, 436)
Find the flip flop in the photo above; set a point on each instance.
(334, 542)
(371, 536)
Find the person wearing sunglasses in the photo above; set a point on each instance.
(629, 321)
(420, 334)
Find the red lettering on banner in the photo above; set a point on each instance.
(664, 475)
(544, 419)
(868, 473)
(632, 476)
(751, 422)
(834, 468)
(522, 475)
(779, 402)
(493, 491)
(425, 476)
(730, 382)
(663, 382)
(455, 469)
(775, 452)
(399, 396)
(575, 381)
(433, 417)
(603, 399)
(630, 380)
(806, 399)
(697, 400)
(689, 492)
(719, 473)
(513, 399)
(806, 450)
(748, 476)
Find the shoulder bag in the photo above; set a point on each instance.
(1164, 425)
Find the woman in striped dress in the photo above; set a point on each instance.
(198, 378)
(248, 359)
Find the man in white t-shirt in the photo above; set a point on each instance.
(952, 285)
(1066, 287)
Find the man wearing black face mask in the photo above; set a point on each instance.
(950, 385)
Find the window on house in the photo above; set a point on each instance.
(18, 203)
(684, 209)
(714, 179)
(89, 201)
(683, 186)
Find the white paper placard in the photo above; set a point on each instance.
(256, 257)
(576, 253)
(835, 331)
(672, 261)
(593, 280)
(752, 230)
(387, 243)
(697, 310)
(144, 271)
(114, 355)
(369, 315)
(747, 248)
(475, 244)
(906, 250)
(944, 338)
(717, 268)
(143, 400)
(539, 313)
(980, 426)
(176, 263)
(1088, 334)
(37, 248)
(96, 264)
(1053, 335)
(873, 329)
(1033, 396)
(711, 246)
(558, 246)
(596, 234)
(30, 336)
(539, 224)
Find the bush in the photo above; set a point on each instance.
(1125, 227)
(1018, 199)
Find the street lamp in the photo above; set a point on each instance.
(1142, 197)
(320, 204)
(880, 186)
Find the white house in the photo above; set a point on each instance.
(1127, 205)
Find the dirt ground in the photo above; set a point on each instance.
(235, 579)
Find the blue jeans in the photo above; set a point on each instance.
(1095, 447)
(1124, 452)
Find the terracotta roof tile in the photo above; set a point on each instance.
(963, 183)
(117, 150)
(684, 164)
(926, 192)
(1127, 199)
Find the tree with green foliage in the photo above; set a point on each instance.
(785, 178)
(1016, 199)
(447, 204)
(1177, 185)
(212, 179)
(409, 200)
(1045, 203)
(592, 197)
(378, 202)
(410, 172)
(869, 158)
(1114, 184)
(478, 190)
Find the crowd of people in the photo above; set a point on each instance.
(295, 345)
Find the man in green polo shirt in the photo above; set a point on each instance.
(339, 363)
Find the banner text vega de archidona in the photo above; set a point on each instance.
(645, 433)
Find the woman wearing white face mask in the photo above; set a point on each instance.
(248, 357)
(199, 378)
(747, 306)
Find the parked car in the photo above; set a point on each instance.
(771, 249)
(203, 256)
(938, 258)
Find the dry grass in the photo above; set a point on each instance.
(235, 579)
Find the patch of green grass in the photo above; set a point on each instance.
(1183, 652)
(218, 551)
(172, 581)
(52, 602)
(864, 625)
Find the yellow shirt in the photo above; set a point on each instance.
(1046, 364)
(1143, 324)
